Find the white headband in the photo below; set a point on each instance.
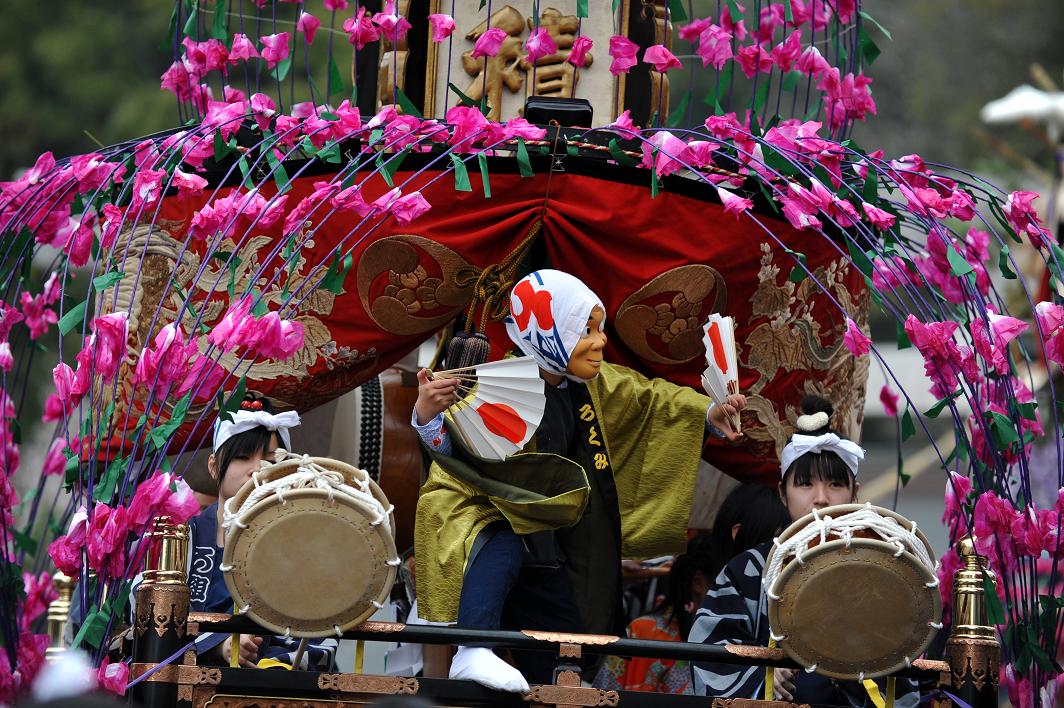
(849, 452)
(246, 420)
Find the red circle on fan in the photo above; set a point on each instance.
(502, 420)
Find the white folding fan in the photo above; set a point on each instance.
(721, 377)
(500, 405)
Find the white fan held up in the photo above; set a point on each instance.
(721, 377)
(500, 405)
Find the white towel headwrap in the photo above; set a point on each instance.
(246, 420)
(549, 310)
(849, 452)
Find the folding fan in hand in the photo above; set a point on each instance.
(721, 377)
(500, 405)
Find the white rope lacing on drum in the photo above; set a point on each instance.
(309, 475)
(844, 527)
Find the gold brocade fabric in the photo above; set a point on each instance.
(653, 430)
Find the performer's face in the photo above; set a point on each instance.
(240, 469)
(817, 493)
(586, 358)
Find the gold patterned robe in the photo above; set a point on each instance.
(653, 431)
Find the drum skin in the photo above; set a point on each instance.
(310, 562)
(854, 609)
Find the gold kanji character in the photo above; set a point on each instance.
(553, 75)
(503, 68)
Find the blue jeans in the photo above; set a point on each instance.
(501, 592)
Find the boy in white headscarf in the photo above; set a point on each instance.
(535, 541)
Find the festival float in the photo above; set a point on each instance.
(348, 180)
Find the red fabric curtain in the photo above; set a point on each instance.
(661, 265)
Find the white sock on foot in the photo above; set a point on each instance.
(481, 665)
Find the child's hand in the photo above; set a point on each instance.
(783, 682)
(249, 649)
(721, 416)
(433, 396)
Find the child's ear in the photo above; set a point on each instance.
(856, 491)
(212, 467)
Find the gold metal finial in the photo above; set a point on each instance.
(167, 554)
(58, 614)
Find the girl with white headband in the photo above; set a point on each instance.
(536, 541)
(818, 469)
(239, 446)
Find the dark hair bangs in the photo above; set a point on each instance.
(245, 444)
(825, 466)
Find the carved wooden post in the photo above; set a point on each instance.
(58, 614)
(162, 609)
(972, 649)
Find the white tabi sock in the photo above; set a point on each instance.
(481, 665)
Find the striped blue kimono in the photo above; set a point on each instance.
(735, 611)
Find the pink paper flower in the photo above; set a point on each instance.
(113, 677)
(360, 29)
(856, 340)
(91, 171)
(538, 45)
(623, 51)
(187, 185)
(1021, 215)
(275, 338)
(335, 5)
(957, 490)
(409, 207)
(992, 346)
(227, 333)
(40, 592)
(754, 59)
(350, 199)
(201, 57)
(733, 202)
(846, 98)
(308, 24)
(167, 361)
(6, 360)
(942, 358)
(37, 317)
(274, 48)
(181, 505)
(78, 239)
(243, 48)
(55, 460)
(147, 190)
(578, 53)
(661, 58)
(488, 44)
(442, 26)
(714, 46)
(691, 31)
(664, 153)
(786, 53)
(812, 63)
(393, 25)
(9, 317)
(877, 217)
(179, 81)
(889, 399)
(469, 126)
(112, 219)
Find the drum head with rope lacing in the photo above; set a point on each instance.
(855, 606)
(309, 561)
